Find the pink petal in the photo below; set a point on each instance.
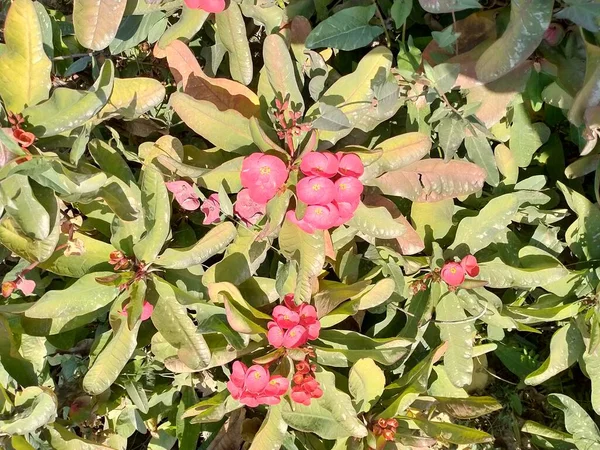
(469, 263)
(322, 217)
(315, 190)
(322, 164)
(284, 317)
(249, 399)
(453, 273)
(295, 337)
(189, 203)
(257, 379)
(275, 336)
(348, 190)
(247, 209)
(278, 385)
(238, 373)
(299, 396)
(26, 286)
(308, 314)
(300, 223)
(350, 165)
(262, 193)
(313, 330)
(180, 187)
(234, 390)
(147, 310)
(211, 209)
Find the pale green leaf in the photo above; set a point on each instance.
(366, 382)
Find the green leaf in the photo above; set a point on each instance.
(96, 21)
(347, 29)
(331, 119)
(190, 22)
(64, 310)
(525, 137)
(212, 409)
(133, 30)
(566, 347)
(172, 321)
(132, 97)
(39, 408)
(451, 132)
(451, 433)
(242, 317)
(272, 432)
(529, 19)
(213, 242)
(480, 152)
(330, 417)
(339, 348)
(281, 70)
(447, 6)
(400, 11)
(376, 222)
(232, 32)
(137, 395)
(434, 219)
(458, 359)
(583, 13)
(13, 238)
(307, 251)
(24, 66)
(187, 433)
(485, 228)
(467, 408)
(227, 174)
(32, 207)
(577, 422)
(444, 76)
(227, 129)
(157, 214)
(63, 439)
(366, 383)
(112, 359)
(591, 84)
(68, 109)
(11, 360)
(431, 180)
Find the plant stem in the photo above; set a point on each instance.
(382, 20)
(74, 55)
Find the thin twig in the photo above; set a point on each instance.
(74, 55)
(454, 28)
(382, 20)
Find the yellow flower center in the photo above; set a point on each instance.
(265, 170)
(316, 187)
(343, 186)
(293, 334)
(273, 382)
(318, 211)
(453, 270)
(286, 317)
(257, 375)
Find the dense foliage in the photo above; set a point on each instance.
(302, 224)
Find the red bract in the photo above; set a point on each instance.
(211, 207)
(24, 138)
(316, 190)
(263, 175)
(247, 209)
(453, 273)
(350, 165)
(211, 6)
(255, 386)
(184, 195)
(469, 263)
(319, 164)
(348, 190)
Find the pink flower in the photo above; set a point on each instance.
(247, 209)
(295, 337)
(299, 395)
(147, 310)
(254, 386)
(350, 165)
(24, 138)
(300, 223)
(184, 194)
(284, 317)
(315, 190)
(275, 335)
(307, 314)
(211, 6)
(25, 286)
(469, 263)
(348, 190)
(263, 175)
(211, 207)
(453, 273)
(322, 217)
(346, 209)
(319, 164)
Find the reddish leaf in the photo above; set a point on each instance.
(432, 180)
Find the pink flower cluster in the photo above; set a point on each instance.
(293, 325)
(331, 190)
(255, 386)
(263, 175)
(454, 273)
(305, 386)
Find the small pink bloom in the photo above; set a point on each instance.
(147, 310)
(235, 390)
(295, 337)
(346, 209)
(348, 190)
(211, 6)
(320, 164)
(301, 223)
(315, 190)
(211, 207)
(308, 314)
(247, 209)
(469, 263)
(350, 165)
(25, 286)
(257, 379)
(249, 399)
(284, 317)
(313, 330)
(453, 273)
(263, 175)
(277, 386)
(288, 300)
(184, 194)
(275, 335)
(317, 393)
(238, 373)
(310, 384)
(322, 217)
(300, 396)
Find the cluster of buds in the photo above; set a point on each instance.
(20, 283)
(118, 259)
(23, 138)
(305, 387)
(293, 325)
(386, 428)
(287, 131)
